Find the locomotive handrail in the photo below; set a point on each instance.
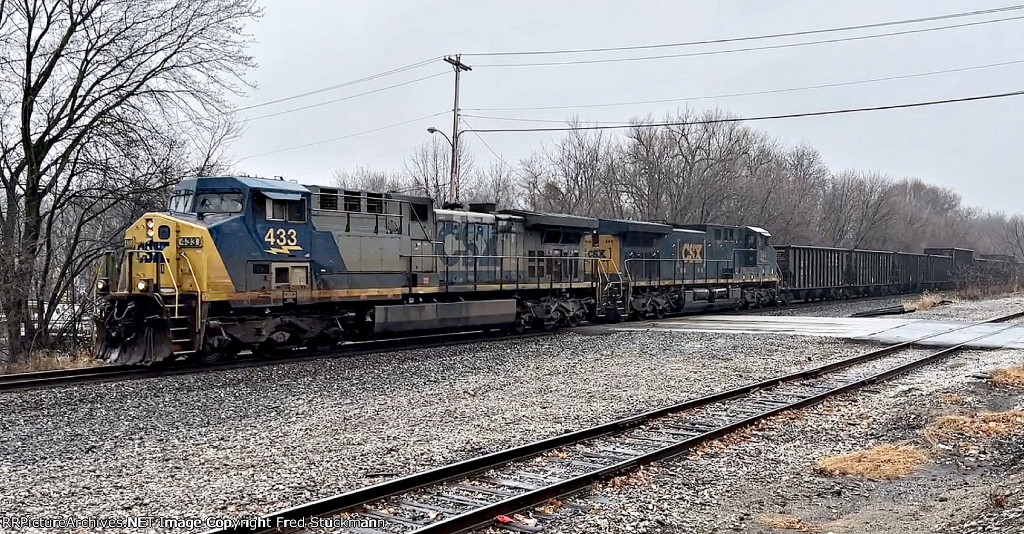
(170, 272)
(199, 292)
(498, 268)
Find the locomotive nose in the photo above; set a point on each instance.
(135, 323)
(149, 256)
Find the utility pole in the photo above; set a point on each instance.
(457, 64)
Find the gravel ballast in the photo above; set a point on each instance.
(740, 483)
(237, 443)
(244, 442)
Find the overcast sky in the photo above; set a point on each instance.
(975, 148)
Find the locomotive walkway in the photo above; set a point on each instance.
(486, 490)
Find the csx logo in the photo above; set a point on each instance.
(693, 252)
(152, 245)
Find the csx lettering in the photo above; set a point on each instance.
(149, 257)
(693, 252)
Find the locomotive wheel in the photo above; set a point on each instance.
(545, 324)
(324, 345)
(659, 312)
(558, 317)
(613, 317)
(210, 357)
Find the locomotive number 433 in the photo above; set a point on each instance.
(281, 237)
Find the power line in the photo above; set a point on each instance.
(747, 49)
(484, 141)
(324, 103)
(560, 121)
(750, 93)
(343, 137)
(358, 161)
(343, 84)
(755, 37)
(752, 119)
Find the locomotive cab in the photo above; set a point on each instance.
(174, 265)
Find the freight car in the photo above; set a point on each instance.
(819, 273)
(239, 263)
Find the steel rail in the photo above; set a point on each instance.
(63, 377)
(486, 515)
(42, 378)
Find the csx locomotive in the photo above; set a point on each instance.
(239, 263)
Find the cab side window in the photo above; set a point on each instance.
(293, 211)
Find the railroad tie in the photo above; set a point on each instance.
(424, 507)
(481, 489)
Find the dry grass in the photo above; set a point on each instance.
(885, 462)
(926, 302)
(982, 425)
(785, 522)
(953, 398)
(643, 478)
(1013, 376)
(979, 291)
(51, 361)
(550, 508)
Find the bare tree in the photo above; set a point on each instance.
(376, 180)
(89, 85)
(707, 169)
(494, 184)
(648, 172)
(430, 169)
(798, 201)
(209, 144)
(709, 154)
(1012, 236)
(579, 175)
(857, 209)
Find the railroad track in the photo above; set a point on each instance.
(64, 377)
(489, 489)
(42, 379)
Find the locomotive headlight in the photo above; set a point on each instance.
(150, 223)
(103, 286)
(149, 232)
(143, 285)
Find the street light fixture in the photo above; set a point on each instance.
(453, 183)
(436, 131)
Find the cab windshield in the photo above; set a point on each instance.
(218, 203)
(181, 201)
